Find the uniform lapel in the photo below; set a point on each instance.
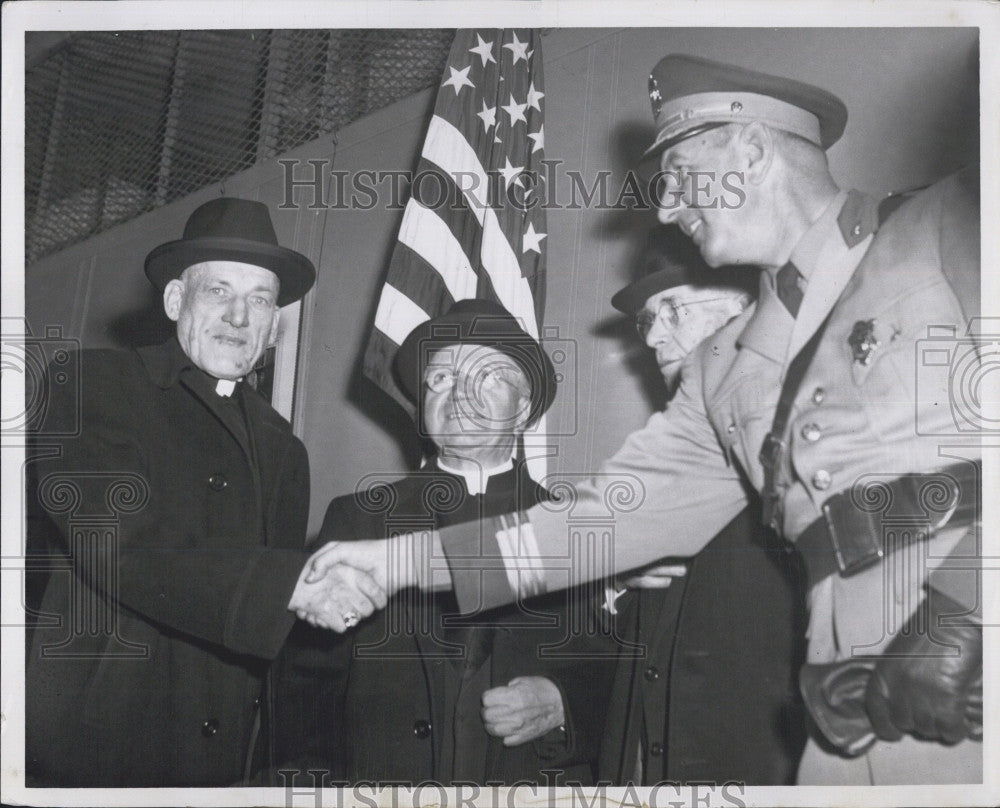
(838, 257)
(837, 265)
(767, 330)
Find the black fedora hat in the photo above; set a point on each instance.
(228, 229)
(669, 260)
(477, 322)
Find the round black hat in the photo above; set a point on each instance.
(477, 322)
(670, 259)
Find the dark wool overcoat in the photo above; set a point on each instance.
(413, 694)
(174, 531)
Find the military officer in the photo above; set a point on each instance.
(832, 396)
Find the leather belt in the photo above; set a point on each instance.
(850, 535)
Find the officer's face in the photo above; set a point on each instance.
(475, 398)
(674, 321)
(704, 192)
(226, 314)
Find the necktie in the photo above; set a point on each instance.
(789, 292)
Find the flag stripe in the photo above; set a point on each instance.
(501, 264)
(397, 315)
(424, 232)
(447, 148)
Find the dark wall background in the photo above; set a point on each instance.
(913, 101)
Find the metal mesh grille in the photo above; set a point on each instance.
(118, 123)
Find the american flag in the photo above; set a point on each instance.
(483, 149)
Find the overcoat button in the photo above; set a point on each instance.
(651, 674)
(731, 428)
(818, 395)
(210, 727)
(256, 702)
(422, 729)
(218, 482)
(656, 749)
(812, 432)
(821, 480)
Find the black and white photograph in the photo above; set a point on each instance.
(505, 403)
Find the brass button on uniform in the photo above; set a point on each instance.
(818, 395)
(821, 480)
(210, 727)
(812, 432)
(422, 729)
(731, 428)
(217, 482)
(651, 674)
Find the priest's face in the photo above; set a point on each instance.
(476, 399)
(226, 314)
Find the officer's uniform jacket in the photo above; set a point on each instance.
(676, 482)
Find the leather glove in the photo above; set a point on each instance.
(930, 683)
(834, 694)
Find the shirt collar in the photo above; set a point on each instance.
(806, 254)
(476, 479)
(165, 364)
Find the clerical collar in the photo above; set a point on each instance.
(806, 254)
(207, 382)
(476, 479)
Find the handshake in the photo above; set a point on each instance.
(344, 582)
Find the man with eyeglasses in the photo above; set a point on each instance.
(833, 399)
(679, 304)
(434, 693)
(713, 698)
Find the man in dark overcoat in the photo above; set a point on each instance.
(173, 523)
(500, 696)
(714, 697)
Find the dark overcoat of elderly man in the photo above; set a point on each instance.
(175, 522)
(714, 697)
(434, 693)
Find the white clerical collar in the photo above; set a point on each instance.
(225, 387)
(476, 479)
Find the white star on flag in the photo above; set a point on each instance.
(459, 79)
(510, 172)
(534, 97)
(515, 110)
(489, 116)
(532, 240)
(539, 138)
(484, 50)
(518, 48)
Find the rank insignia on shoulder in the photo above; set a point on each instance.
(863, 342)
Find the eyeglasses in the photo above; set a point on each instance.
(669, 312)
(440, 379)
